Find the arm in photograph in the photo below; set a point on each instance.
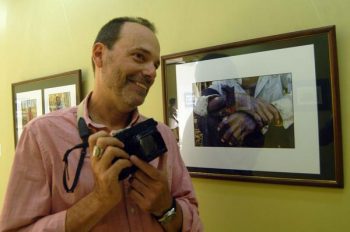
(216, 103)
(240, 129)
(263, 112)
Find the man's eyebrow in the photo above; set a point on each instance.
(157, 63)
(141, 49)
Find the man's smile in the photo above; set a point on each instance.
(141, 85)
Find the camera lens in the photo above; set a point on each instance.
(148, 145)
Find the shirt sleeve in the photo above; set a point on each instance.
(284, 106)
(27, 202)
(181, 185)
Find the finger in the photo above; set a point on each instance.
(110, 154)
(102, 142)
(222, 124)
(226, 137)
(258, 120)
(138, 185)
(239, 125)
(163, 162)
(244, 134)
(117, 167)
(231, 139)
(97, 152)
(93, 139)
(275, 112)
(145, 167)
(269, 112)
(236, 135)
(137, 197)
(94, 149)
(260, 110)
(225, 127)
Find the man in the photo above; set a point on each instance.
(159, 196)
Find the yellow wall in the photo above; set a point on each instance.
(39, 38)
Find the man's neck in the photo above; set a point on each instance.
(107, 114)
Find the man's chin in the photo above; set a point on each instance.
(135, 102)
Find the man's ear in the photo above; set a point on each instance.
(97, 52)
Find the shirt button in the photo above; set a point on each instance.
(132, 210)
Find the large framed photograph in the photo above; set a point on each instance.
(262, 110)
(36, 97)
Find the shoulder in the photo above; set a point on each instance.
(49, 135)
(52, 133)
(162, 128)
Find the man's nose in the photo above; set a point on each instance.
(150, 71)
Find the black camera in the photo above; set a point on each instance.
(142, 140)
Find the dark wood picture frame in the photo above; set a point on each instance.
(35, 97)
(324, 168)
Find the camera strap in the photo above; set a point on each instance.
(84, 135)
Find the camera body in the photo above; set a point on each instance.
(142, 140)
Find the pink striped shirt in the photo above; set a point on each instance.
(37, 201)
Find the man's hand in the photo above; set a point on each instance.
(264, 113)
(149, 186)
(235, 127)
(107, 193)
(150, 191)
(107, 187)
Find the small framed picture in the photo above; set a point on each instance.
(57, 98)
(39, 96)
(28, 106)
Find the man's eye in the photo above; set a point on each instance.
(139, 57)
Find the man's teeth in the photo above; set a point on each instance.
(141, 85)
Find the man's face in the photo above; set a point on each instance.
(129, 67)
